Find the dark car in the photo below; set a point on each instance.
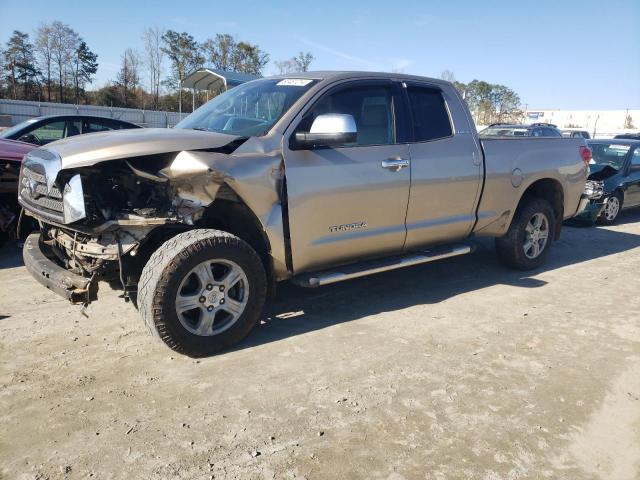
(628, 136)
(43, 130)
(615, 169)
(516, 130)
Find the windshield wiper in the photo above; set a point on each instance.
(200, 129)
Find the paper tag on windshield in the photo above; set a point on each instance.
(294, 82)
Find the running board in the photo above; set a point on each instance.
(347, 272)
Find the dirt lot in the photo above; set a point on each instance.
(460, 369)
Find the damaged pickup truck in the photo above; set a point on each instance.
(318, 178)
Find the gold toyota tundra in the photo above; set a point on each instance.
(316, 177)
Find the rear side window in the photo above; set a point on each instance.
(429, 112)
(92, 126)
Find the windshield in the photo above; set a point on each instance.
(9, 132)
(249, 109)
(608, 154)
(504, 132)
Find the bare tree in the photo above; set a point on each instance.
(65, 42)
(154, 57)
(129, 76)
(44, 52)
(286, 66)
(299, 63)
(448, 75)
(303, 61)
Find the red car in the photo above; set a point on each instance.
(11, 153)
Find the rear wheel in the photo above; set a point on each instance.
(202, 291)
(611, 210)
(529, 237)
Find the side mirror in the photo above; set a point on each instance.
(327, 130)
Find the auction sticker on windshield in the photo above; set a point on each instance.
(294, 82)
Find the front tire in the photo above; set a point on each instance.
(202, 291)
(611, 210)
(529, 236)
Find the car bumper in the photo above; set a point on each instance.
(75, 288)
(590, 211)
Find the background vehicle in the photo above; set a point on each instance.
(575, 132)
(44, 130)
(11, 153)
(304, 178)
(616, 165)
(16, 141)
(628, 136)
(515, 130)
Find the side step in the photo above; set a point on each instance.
(347, 272)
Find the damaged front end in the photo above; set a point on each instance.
(595, 194)
(96, 221)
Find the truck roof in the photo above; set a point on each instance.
(344, 74)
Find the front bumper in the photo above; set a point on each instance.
(591, 210)
(75, 288)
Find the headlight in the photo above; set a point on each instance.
(73, 200)
(594, 189)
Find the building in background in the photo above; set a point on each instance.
(600, 123)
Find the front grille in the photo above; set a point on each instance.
(36, 197)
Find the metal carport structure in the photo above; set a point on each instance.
(211, 79)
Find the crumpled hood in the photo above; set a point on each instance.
(601, 172)
(93, 148)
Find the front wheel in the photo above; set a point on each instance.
(529, 237)
(611, 210)
(202, 291)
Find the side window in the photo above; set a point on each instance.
(46, 133)
(550, 132)
(371, 107)
(635, 158)
(536, 132)
(92, 126)
(73, 128)
(429, 112)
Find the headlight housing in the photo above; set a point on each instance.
(73, 200)
(594, 189)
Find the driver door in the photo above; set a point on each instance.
(345, 202)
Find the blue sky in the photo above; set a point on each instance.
(555, 54)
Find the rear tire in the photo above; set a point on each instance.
(611, 210)
(202, 291)
(529, 237)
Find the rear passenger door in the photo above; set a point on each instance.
(446, 168)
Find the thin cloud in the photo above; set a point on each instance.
(401, 64)
(340, 54)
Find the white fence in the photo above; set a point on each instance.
(20, 110)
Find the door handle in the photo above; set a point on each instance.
(395, 164)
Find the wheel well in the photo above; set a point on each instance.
(233, 216)
(228, 214)
(551, 191)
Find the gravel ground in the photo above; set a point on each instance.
(455, 370)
